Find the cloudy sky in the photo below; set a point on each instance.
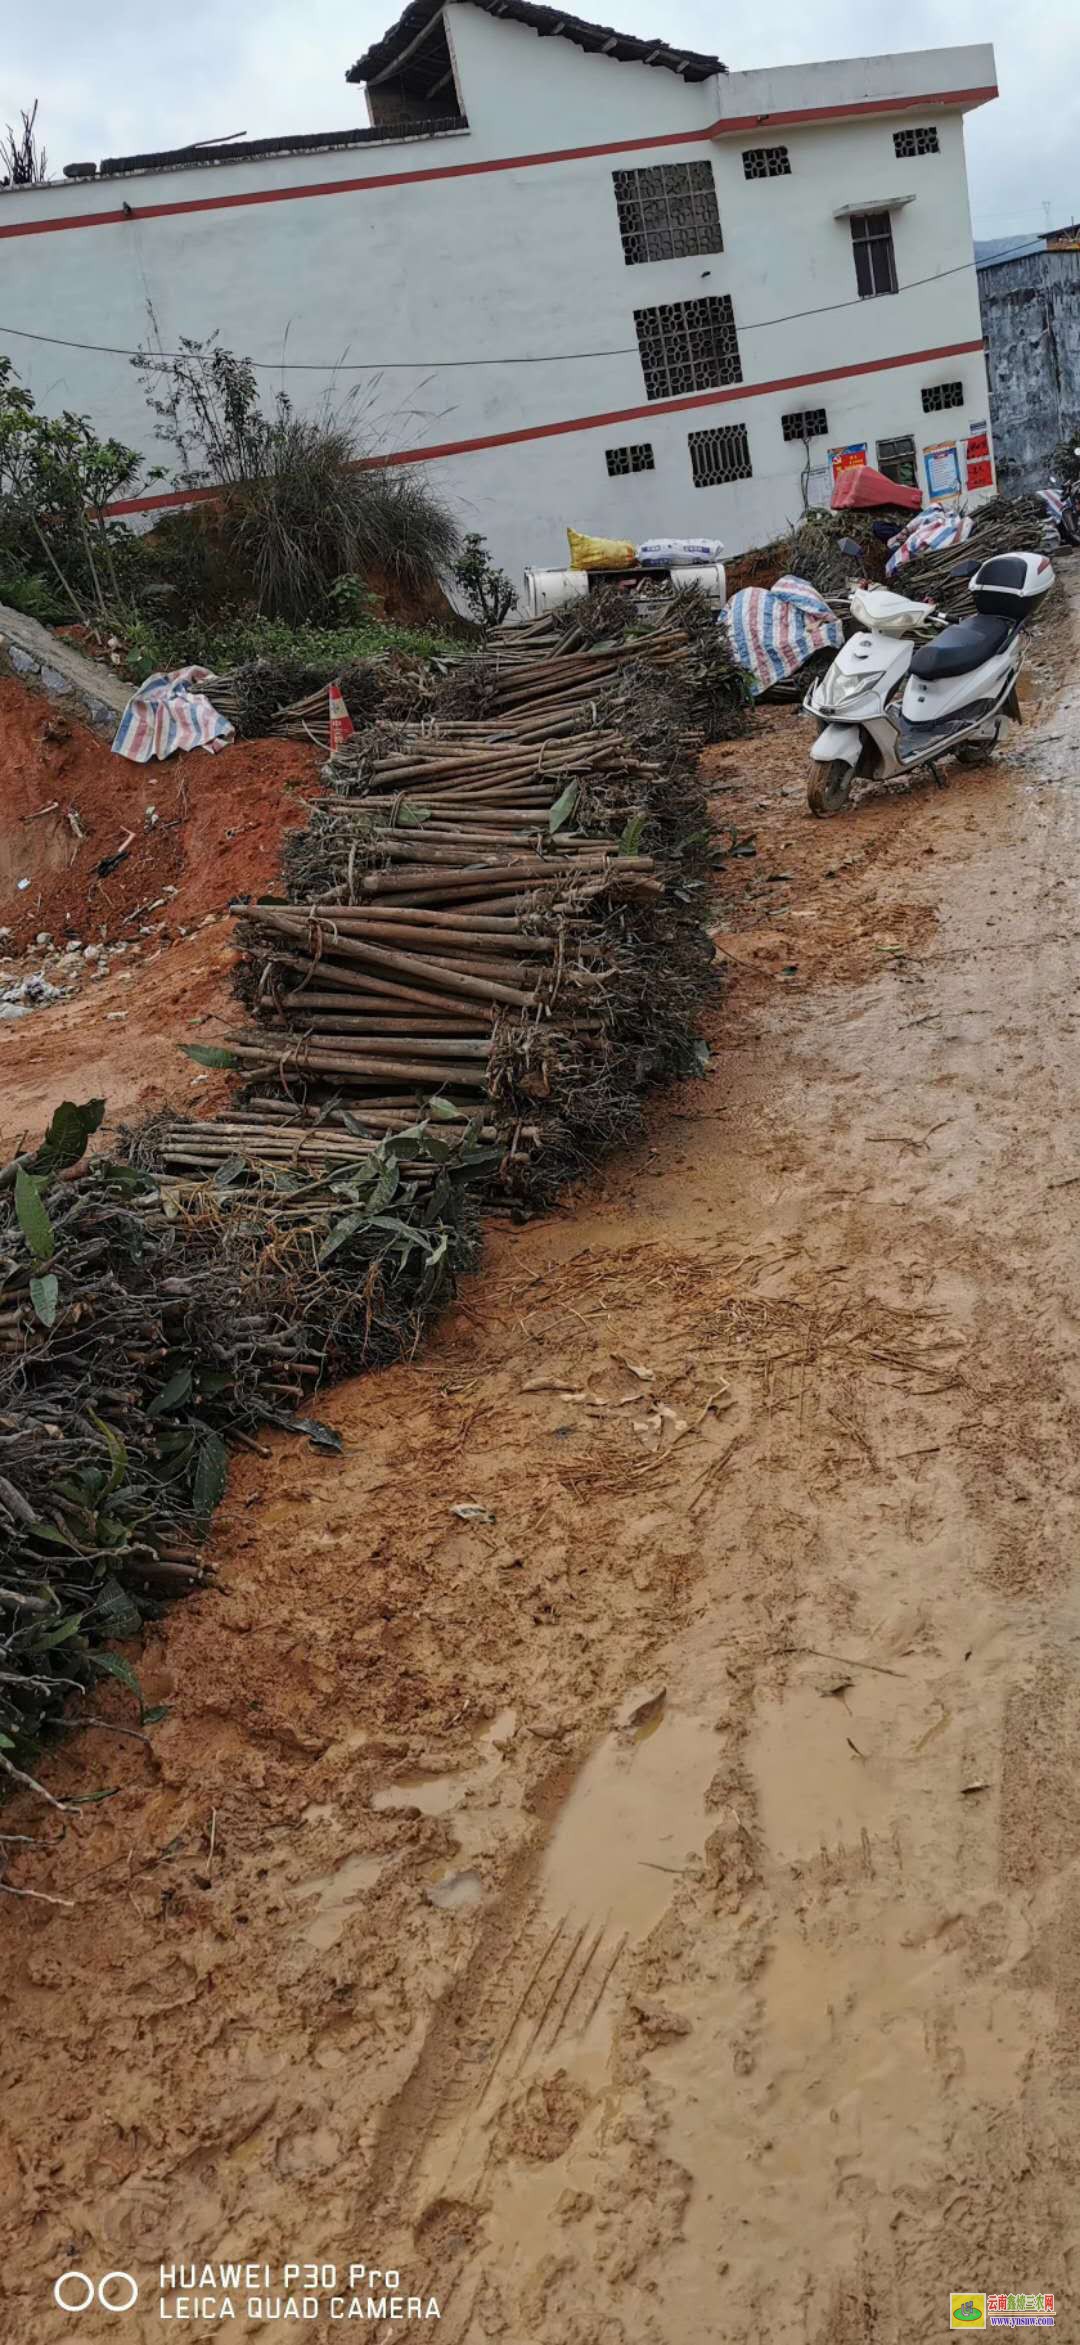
(119, 78)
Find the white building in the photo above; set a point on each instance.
(588, 279)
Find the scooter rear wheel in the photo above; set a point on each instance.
(828, 789)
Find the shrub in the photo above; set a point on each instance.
(57, 479)
(487, 592)
(304, 506)
(234, 639)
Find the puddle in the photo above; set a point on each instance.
(442, 1792)
(455, 1892)
(434, 1795)
(635, 1819)
(336, 1893)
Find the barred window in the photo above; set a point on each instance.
(922, 141)
(637, 459)
(766, 163)
(875, 260)
(811, 423)
(719, 455)
(896, 459)
(688, 346)
(667, 211)
(938, 395)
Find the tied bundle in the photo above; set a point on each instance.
(502, 912)
(161, 1305)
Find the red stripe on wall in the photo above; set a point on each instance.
(623, 146)
(589, 423)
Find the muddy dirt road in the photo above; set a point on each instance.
(612, 1850)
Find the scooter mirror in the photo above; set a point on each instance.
(848, 546)
(964, 569)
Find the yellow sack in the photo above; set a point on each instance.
(600, 553)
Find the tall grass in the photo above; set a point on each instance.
(303, 501)
(316, 513)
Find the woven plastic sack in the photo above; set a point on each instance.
(600, 553)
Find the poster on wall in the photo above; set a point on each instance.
(819, 488)
(943, 469)
(848, 459)
(978, 462)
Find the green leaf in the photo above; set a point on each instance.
(340, 1233)
(118, 1456)
(154, 1716)
(114, 1665)
(631, 838)
(33, 1220)
(69, 1130)
(209, 1054)
(171, 1394)
(385, 1188)
(444, 1110)
(44, 1295)
(229, 1171)
(433, 1269)
(118, 1610)
(45, 1639)
(410, 816)
(320, 1436)
(53, 1537)
(563, 808)
(211, 1474)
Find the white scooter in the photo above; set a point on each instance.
(909, 689)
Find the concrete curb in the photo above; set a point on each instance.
(34, 652)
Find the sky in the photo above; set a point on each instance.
(120, 78)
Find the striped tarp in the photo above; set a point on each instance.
(773, 630)
(929, 533)
(168, 712)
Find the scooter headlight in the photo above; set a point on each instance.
(844, 688)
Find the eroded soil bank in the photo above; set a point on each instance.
(642, 1907)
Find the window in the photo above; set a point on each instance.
(938, 395)
(639, 459)
(766, 163)
(688, 346)
(896, 459)
(667, 211)
(875, 260)
(719, 455)
(923, 141)
(812, 423)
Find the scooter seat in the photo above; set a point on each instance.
(957, 651)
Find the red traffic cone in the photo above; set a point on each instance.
(341, 724)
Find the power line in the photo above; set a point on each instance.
(440, 365)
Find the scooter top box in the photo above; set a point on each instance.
(1011, 585)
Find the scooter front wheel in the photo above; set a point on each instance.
(828, 789)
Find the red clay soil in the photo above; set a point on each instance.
(218, 835)
(220, 822)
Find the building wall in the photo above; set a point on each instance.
(401, 267)
(1031, 319)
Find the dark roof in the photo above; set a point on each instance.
(304, 143)
(992, 251)
(598, 38)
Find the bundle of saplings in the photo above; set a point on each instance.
(151, 1310)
